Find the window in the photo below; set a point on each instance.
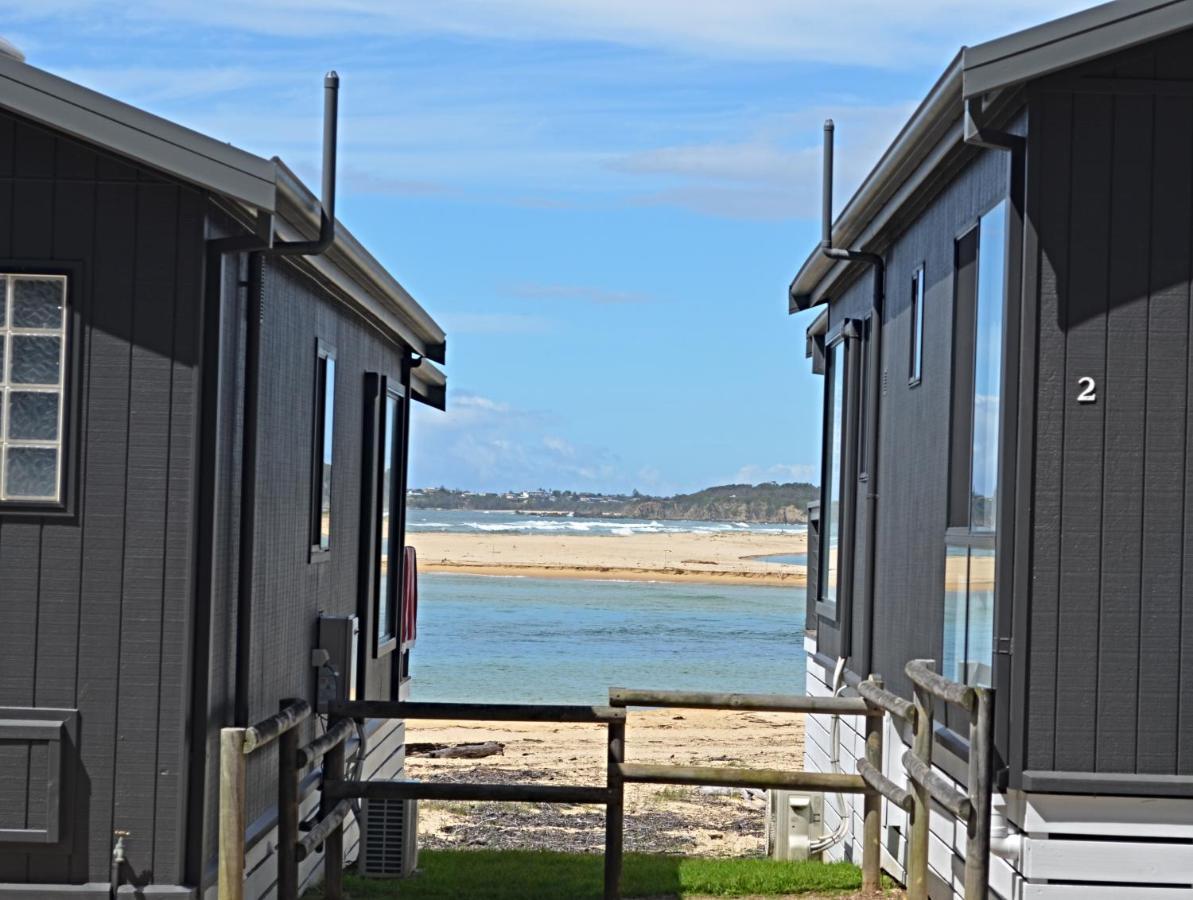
(389, 525)
(979, 309)
(32, 387)
(832, 476)
(865, 348)
(916, 360)
(325, 402)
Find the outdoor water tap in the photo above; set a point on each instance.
(118, 861)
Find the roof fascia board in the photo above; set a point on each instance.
(919, 138)
(301, 207)
(136, 134)
(429, 385)
(1070, 41)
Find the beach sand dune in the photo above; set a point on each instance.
(716, 557)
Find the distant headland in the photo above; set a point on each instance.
(770, 502)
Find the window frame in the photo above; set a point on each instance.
(324, 353)
(960, 532)
(915, 360)
(384, 644)
(845, 339)
(63, 506)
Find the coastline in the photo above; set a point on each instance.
(708, 558)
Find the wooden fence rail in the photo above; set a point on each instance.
(873, 702)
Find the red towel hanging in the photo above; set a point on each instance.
(409, 598)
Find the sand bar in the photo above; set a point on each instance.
(709, 557)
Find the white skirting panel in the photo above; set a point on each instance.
(385, 759)
(1075, 846)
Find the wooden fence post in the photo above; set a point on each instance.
(288, 814)
(981, 776)
(232, 814)
(333, 855)
(917, 850)
(872, 803)
(614, 811)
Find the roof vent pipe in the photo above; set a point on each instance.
(11, 50)
(826, 194)
(327, 218)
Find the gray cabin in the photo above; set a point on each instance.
(1002, 315)
(204, 419)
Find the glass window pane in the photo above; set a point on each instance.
(38, 302)
(33, 416)
(385, 616)
(3, 301)
(35, 360)
(31, 473)
(832, 472)
(3, 357)
(917, 326)
(987, 380)
(956, 581)
(329, 402)
(979, 642)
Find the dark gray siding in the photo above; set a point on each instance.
(97, 603)
(1110, 631)
(289, 590)
(913, 430)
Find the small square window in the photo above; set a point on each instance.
(32, 387)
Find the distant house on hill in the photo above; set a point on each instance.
(1004, 332)
(204, 417)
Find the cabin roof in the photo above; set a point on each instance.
(258, 186)
(936, 128)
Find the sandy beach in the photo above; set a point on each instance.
(658, 818)
(716, 557)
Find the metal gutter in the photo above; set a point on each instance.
(355, 273)
(937, 120)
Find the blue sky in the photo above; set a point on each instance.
(603, 201)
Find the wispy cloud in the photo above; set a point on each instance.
(495, 323)
(529, 290)
(859, 32)
(486, 444)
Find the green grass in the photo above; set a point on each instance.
(531, 875)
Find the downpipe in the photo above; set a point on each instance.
(1006, 841)
(873, 395)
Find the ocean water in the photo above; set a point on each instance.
(467, 521)
(531, 640)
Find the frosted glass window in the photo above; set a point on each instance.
(32, 369)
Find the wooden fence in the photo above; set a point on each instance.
(873, 702)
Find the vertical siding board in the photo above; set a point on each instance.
(1167, 408)
(103, 487)
(1081, 476)
(148, 457)
(177, 576)
(62, 541)
(1124, 394)
(1054, 146)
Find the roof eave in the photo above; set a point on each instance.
(1070, 41)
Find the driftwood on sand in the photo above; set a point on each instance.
(456, 751)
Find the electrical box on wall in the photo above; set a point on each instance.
(336, 659)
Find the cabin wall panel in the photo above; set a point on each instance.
(1108, 634)
(91, 610)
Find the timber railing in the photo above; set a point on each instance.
(873, 703)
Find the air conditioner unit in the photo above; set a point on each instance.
(389, 838)
(793, 821)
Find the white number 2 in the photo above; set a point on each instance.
(1089, 393)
